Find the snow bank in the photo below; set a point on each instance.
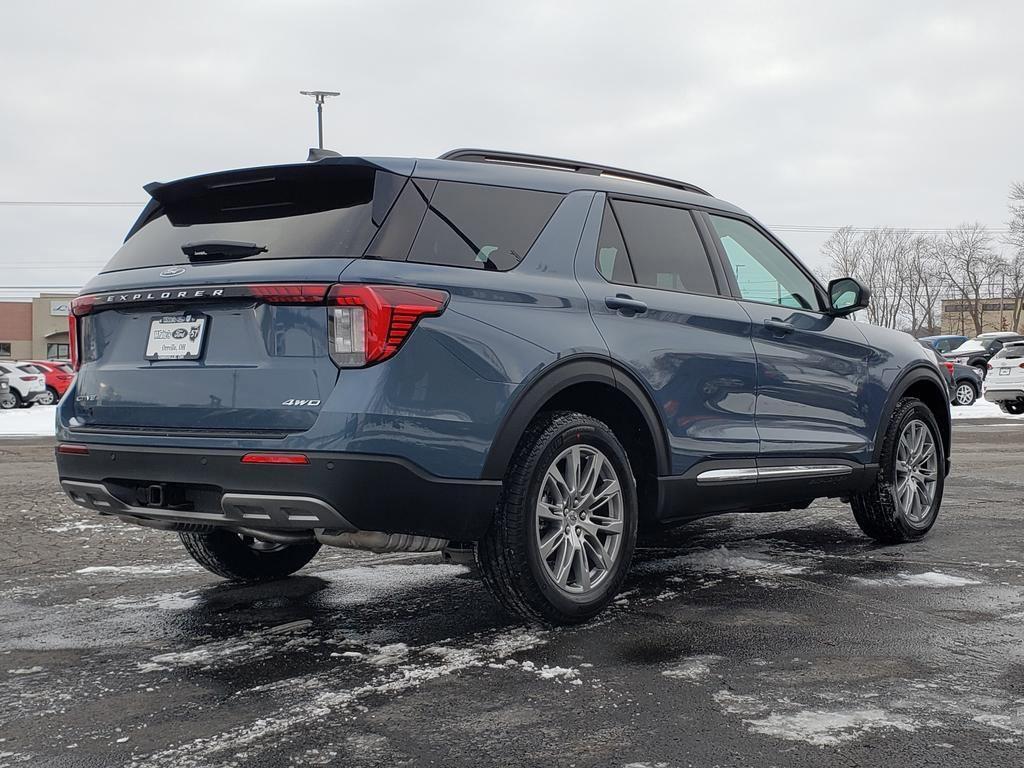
(39, 420)
(927, 579)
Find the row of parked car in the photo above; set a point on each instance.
(990, 363)
(26, 383)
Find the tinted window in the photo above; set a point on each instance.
(612, 259)
(764, 272)
(312, 213)
(665, 250)
(482, 227)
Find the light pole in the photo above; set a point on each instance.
(320, 97)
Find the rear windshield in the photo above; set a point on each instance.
(1012, 351)
(317, 213)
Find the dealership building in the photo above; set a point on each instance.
(35, 328)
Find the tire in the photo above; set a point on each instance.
(883, 512)
(966, 394)
(49, 397)
(1012, 407)
(232, 556)
(524, 578)
(981, 366)
(9, 400)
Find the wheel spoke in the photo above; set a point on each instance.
(583, 575)
(609, 525)
(573, 466)
(564, 563)
(549, 545)
(546, 511)
(597, 551)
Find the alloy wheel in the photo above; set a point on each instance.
(45, 399)
(917, 472)
(579, 520)
(965, 394)
(8, 401)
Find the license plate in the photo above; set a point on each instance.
(176, 337)
(1004, 371)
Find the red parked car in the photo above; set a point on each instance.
(58, 376)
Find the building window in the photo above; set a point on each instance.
(5, 349)
(57, 351)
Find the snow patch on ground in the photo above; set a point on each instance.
(169, 569)
(37, 421)
(725, 560)
(310, 699)
(982, 409)
(927, 579)
(24, 671)
(824, 728)
(694, 669)
(75, 527)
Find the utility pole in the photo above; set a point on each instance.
(319, 97)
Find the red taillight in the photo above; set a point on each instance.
(370, 322)
(82, 305)
(275, 458)
(73, 449)
(989, 366)
(949, 367)
(290, 293)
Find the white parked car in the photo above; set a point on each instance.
(1005, 381)
(978, 351)
(25, 388)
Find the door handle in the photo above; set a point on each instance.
(780, 327)
(625, 304)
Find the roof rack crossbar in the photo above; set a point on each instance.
(561, 164)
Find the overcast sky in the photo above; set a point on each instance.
(805, 113)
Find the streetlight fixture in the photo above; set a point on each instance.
(319, 97)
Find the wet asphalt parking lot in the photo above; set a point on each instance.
(784, 639)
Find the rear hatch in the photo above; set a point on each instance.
(211, 319)
(1006, 369)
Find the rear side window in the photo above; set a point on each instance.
(661, 248)
(480, 226)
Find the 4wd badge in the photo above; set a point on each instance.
(301, 402)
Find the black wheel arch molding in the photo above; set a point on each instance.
(569, 371)
(920, 372)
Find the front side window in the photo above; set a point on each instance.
(763, 272)
(481, 227)
(660, 246)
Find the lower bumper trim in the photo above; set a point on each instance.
(259, 510)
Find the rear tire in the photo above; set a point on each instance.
(9, 400)
(49, 397)
(559, 547)
(242, 558)
(1012, 407)
(966, 394)
(903, 503)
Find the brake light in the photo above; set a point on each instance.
(73, 341)
(949, 367)
(989, 366)
(275, 458)
(291, 293)
(368, 323)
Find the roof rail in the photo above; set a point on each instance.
(560, 164)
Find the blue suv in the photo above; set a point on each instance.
(528, 356)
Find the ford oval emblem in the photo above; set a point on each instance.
(172, 272)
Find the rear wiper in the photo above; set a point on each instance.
(216, 250)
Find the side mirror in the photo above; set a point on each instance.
(846, 296)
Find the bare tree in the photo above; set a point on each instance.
(925, 284)
(970, 264)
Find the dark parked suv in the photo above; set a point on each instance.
(525, 355)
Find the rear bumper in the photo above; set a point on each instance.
(994, 395)
(337, 491)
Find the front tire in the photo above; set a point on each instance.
(9, 400)
(565, 527)
(903, 503)
(235, 557)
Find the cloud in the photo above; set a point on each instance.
(801, 112)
